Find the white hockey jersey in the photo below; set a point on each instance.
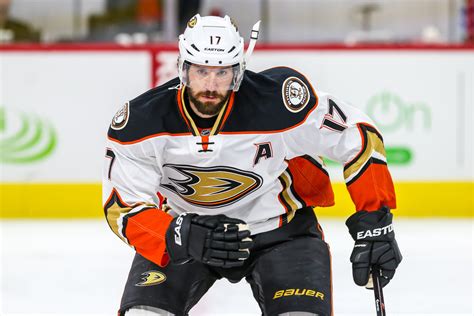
(260, 162)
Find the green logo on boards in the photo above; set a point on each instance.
(396, 156)
(25, 137)
(391, 113)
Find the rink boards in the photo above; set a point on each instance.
(56, 103)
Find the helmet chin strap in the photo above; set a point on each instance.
(253, 40)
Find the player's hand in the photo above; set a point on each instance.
(375, 245)
(216, 240)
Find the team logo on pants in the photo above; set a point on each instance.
(150, 278)
(210, 187)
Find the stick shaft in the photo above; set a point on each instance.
(378, 293)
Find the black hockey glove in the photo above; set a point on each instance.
(216, 240)
(375, 246)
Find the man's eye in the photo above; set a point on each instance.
(201, 71)
(222, 73)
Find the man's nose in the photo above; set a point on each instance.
(211, 82)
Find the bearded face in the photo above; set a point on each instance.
(208, 102)
(208, 88)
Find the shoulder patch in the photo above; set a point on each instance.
(121, 117)
(295, 94)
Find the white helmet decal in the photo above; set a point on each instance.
(213, 41)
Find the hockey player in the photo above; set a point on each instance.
(215, 174)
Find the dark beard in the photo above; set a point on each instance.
(208, 108)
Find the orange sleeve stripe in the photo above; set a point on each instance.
(146, 231)
(373, 189)
(146, 138)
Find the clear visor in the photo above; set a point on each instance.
(210, 77)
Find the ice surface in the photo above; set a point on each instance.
(80, 267)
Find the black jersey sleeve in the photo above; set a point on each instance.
(274, 100)
(151, 114)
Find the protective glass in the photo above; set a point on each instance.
(222, 77)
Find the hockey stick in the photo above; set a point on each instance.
(378, 293)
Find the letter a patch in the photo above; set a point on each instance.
(264, 150)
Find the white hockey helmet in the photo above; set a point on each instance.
(213, 41)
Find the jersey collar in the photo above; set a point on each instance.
(220, 120)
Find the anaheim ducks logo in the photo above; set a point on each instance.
(211, 187)
(295, 94)
(150, 278)
(121, 118)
